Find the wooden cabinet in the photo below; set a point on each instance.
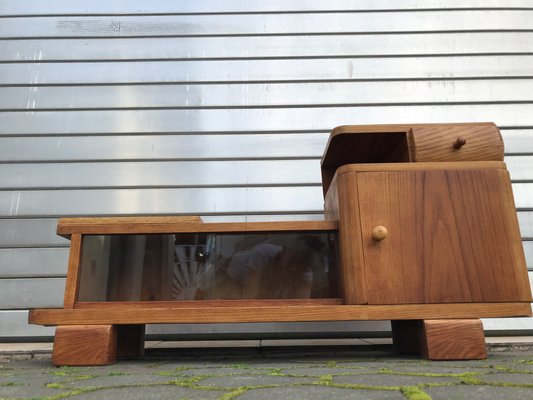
(426, 217)
(424, 220)
(451, 234)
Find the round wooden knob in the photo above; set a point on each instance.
(379, 233)
(459, 142)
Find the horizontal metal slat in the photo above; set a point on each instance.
(265, 94)
(30, 233)
(36, 262)
(184, 147)
(14, 324)
(368, 45)
(263, 24)
(248, 120)
(421, 68)
(508, 326)
(518, 141)
(14, 7)
(525, 220)
(523, 195)
(34, 235)
(177, 147)
(528, 250)
(184, 174)
(31, 293)
(191, 147)
(520, 167)
(195, 201)
(40, 233)
(161, 174)
(261, 200)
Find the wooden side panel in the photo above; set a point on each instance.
(453, 237)
(73, 271)
(453, 340)
(342, 203)
(457, 142)
(85, 345)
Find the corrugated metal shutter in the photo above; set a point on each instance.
(222, 109)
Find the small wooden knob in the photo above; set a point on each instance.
(459, 142)
(379, 233)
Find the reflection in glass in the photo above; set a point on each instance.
(168, 267)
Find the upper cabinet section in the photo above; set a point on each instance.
(350, 144)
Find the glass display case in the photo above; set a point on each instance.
(208, 266)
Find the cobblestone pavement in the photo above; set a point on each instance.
(306, 373)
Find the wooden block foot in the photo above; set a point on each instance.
(447, 339)
(85, 345)
(453, 340)
(130, 341)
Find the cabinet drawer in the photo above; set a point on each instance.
(456, 142)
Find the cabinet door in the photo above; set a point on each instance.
(452, 237)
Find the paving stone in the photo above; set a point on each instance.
(118, 380)
(503, 377)
(319, 371)
(31, 375)
(35, 380)
(382, 362)
(27, 391)
(392, 380)
(522, 366)
(149, 393)
(253, 380)
(319, 393)
(470, 392)
(282, 363)
(218, 371)
(440, 369)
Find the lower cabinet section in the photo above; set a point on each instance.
(427, 234)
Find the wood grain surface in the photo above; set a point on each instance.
(453, 340)
(453, 237)
(73, 271)
(84, 345)
(353, 285)
(132, 315)
(438, 143)
(355, 144)
(208, 303)
(143, 225)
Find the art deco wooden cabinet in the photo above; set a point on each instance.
(420, 229)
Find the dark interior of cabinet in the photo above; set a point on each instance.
(363, 148)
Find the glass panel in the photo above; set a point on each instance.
(168, 267)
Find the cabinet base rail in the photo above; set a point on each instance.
(115, 315)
